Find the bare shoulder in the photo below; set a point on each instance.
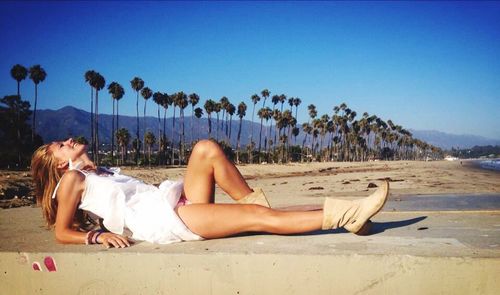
(72, 184)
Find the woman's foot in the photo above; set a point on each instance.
(355, 215)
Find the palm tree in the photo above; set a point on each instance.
(168, 100)
(217, 109)
(89, 78)
(137, 84)
(123, 139)
(98, 83)
(37, 75)
(312, 114)
(255, 99)
(209, 108)
(224, 102)
(263, 113)
(193, 100)
(158, 99)
(175, 102)
(182, 103)
(149, 140)
(18, 73)
(230, 110)
(296, 102)
(146, 93)
(117, 92)
(242, 110)
(275, 99)
(198, 113)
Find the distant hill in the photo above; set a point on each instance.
(71, 122)
(447, 140)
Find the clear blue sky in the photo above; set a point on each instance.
(425, 65)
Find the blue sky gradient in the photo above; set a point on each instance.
(425, 65)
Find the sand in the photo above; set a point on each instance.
(294, 184)
(308, 183)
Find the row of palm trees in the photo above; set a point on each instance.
(37, 74)
(336, 137)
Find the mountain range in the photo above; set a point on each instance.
(71, 122)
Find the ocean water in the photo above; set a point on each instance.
(491, 164)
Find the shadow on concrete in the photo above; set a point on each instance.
(377, 227)
(380, 227)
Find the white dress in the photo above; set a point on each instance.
(124, 202)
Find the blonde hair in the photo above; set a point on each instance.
(46, 176)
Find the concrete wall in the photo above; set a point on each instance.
(160, 273)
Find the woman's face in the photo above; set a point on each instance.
(65, 150)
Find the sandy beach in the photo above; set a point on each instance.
(294, 184)
(308, 183)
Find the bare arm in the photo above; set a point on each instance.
(68, 196)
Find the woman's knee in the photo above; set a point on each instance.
(206, 149)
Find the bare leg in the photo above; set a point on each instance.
(221, 220)
(208, 166)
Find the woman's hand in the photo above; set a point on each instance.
(111, 239)
(87, 164)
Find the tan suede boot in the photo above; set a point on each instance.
(354, 215)
(256, 197)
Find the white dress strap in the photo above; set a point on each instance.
(59, 182)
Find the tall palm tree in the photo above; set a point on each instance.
(224, 102)
(98, 83)
(255, 99)
(175, 103)
(117, 92)
(137, 84)
(37, 75)
(167, 101)
(123, 139)
(149, 140)
(209, 108)
(296, 102)
(242, 110)
(217, 109)
(158, 99)
(263, 113)
(268, 114)
(18, 73)
(312, 114)
(146, 93)
(193, 100)
(230, 110)
(89, 78)
(275, 100)
(182, 103)
(198, 113)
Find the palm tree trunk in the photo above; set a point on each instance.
(137, 130)
(172, 143)
(159, 135)
(260, 138)
(238, 142)
(112, 133)
(33, 129)
(97, 127)
(117, 125)
(144, 133)
(92, 121)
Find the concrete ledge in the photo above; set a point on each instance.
(148, 273)
(411, 253)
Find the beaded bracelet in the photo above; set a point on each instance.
(97, 236)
